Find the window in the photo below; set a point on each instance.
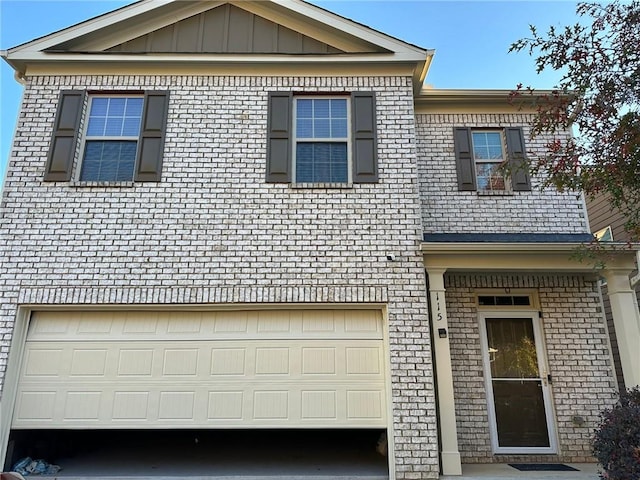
(504, 300)
(123, 137)
(322, 139)
(481, 154)
(604, 235)
(111, 138)
(488, 156)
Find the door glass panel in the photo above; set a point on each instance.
(520, 414)
(512, 348)
(517, 387)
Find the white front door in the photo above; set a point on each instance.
(517, 383)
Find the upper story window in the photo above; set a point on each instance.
(322, 139)
(481, 154)
(488, 155)
(123, 136)
(111, 138)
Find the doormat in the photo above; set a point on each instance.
(543, 467)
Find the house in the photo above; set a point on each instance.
(607, 224)
(252, 215)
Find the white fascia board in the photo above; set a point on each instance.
(89, 26)
(344, 25)
(521, 257)
(482, 247)
(42, 57)
(475, 247)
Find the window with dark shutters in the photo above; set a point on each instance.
(123, 139)
(311, 136)
(481, 155)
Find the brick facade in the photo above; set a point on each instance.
(212, 231)
(447, 210)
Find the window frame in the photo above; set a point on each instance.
(84, 137)
(295, 140)
(504, 160)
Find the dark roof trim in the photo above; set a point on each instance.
(508, 237)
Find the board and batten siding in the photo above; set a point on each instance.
(226, 29)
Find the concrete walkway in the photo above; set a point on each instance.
(502, 471)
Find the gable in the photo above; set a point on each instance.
(276, 35)
(225, 29)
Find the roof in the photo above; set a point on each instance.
(206, 32)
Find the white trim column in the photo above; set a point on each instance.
(449, 453)
(626, 319)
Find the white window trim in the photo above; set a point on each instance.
(503, 144)
(534, 301)
(347, 139)
(85, 137)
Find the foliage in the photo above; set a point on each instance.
(599, 94)
(616, 443)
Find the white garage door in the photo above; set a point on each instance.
(235, 369)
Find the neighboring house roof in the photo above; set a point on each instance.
(233, 33)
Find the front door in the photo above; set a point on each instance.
(517, 383)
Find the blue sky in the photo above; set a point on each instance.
(471, 38)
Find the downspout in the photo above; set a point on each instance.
(636, 278)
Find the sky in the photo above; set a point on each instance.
(471, 38)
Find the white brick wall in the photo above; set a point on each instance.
(212, 231)
(447, 210)
(578, 356)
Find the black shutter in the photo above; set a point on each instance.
(365, 149)
(279, 137)
(151, 143)
(518, 165)
(465, 165)
(65, 135)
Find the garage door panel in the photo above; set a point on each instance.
(45, 362)
(130, 405)
(364, 404)
(132, 362)
(319, 360)
(36, 406)
(135, 362)
(155, 326)
(228, 361)
(226, 405)
(83, 376)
